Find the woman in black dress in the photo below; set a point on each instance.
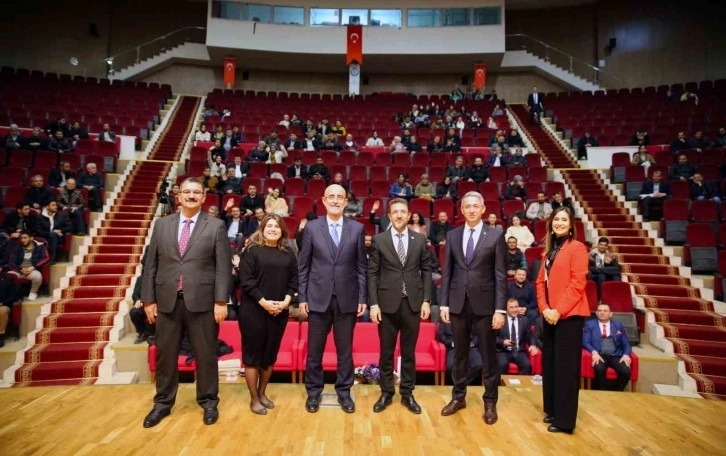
(268, 278)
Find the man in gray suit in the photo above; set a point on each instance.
(185, 288)
(399, 287)
(474, 293)
(332, 291)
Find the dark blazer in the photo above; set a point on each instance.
(206, 265)
(294, 144)
(592, 333)
(525, 335)
(536, 106)
(647, 188)
(10, 223)
(386, 274)
(484, 280)
(60, 222)
(318, 276)
(303, 171)
(240, 225)
(56, 177)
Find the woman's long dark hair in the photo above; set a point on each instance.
(258, 237)
(550, 236)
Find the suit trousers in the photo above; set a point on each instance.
(202, 331)
(407, 322)
(623, 371)
(561, 358)
(463, 325)
(319, 326)
(518, 357)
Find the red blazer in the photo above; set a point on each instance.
(567, 281)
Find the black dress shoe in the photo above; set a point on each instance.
(347, 404)
(553, 428)
(410, 403)
(211, 415)
(453, 407)
(154, 417)
(312, 404)
(382, 402)
(549, 419)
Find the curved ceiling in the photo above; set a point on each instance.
(543, 4)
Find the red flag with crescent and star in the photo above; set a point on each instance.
(230, 66)
(480, 76)
(355, 45)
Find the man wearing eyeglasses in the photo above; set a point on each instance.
(332, 293)
(186, 283)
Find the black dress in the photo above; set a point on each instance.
(270, 273)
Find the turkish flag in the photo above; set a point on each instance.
(355, 45)
(480, 76)
(230, 65)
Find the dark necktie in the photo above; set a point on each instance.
(402, 257)
(513, 334)
(470, 246)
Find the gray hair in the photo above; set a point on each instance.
(476, 195)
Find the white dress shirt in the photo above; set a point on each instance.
(394, 236)
(338, 228)
(467, 233)
(181, 224)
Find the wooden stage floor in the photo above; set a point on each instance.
(105, 420)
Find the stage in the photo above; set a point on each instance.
(104, 420)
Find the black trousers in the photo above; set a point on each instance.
(463, 325)
(319, 325)
(407, 322)
(623, 371)
(474, 375)
(202, 331)
(561, 358)
(519, 357)
(138, 318)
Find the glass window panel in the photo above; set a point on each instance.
(491, 15)
(423, 18)
(260, 13)
(324, 16)
(359, 17)
(456, 16)
(386, 18)
(289, 15)
(227, 10)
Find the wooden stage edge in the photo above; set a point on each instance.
(101, 420)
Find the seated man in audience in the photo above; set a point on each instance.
(514, 257)
(383, 222)
(413, 146)
(107, 135)
(437, 233)
(425, 189)
(292, 143)
(436, 145)
(540, 209)
(217, 150)
(235, 222)
(451, 146)
(457, 172)
(514, 139)
(523, 291)
(144, 330)
(720, 140)
(330, 142)
(58, 143)
(500, 141)
(583, 143)
(53, 225)
(9, 296)
(216, 165)
(228, 141)
(237, 135)
(445, 335)
(512, 340)
(70, 200)
(272, 141)
(516, 190)
(309, 126)
(14, 139)
(252, 221)
(38, 195)
(704, 190)
(60, 124)
(478, 171)
(260, 153)
(679, 143)
(297, 169)
(451, 134)
(37, 141)
(396, 145)
(60, 174)
(608, 343)
(92, 181)
(496, 158)
(374, 141)
(349, 144)
(209, 182)
(27, 260)
(23, 219)
(401, 188)
(652, 194)
(603, 265)
(640, 138)
(319, 168)
(517, 159)
(682, 170)
(240, 169)
(311, 141)
(230, 184)
(699, 142)
(213, 211)
(558, 201)
(251, 201)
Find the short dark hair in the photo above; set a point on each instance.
(510, 238)
(21, 204)
(603, 239)
(27, 233)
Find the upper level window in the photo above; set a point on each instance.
(292, 15)
(258, 13)
(355, 17)
(324, 16)
(423, 18)
(386, 17)
(227, 10)
(491, 15)
(456, 16)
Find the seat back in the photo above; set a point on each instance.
(618, 296)
(627, 319)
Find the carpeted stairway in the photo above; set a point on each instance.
(551, 152)
(69, 348)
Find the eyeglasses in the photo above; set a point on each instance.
(192, 192)
(335, 197)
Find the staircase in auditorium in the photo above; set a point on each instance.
(552, 152)
(698, 333)
(69, 349)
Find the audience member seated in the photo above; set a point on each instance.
(319, 168)
(230, 183)
(382, 222)
(720, 140)
(354, 208)
(240, 169)
(27, 260)
(272, 141)
(451, 134)
(37, 141)
(437, 235)
(514, 139)
(603, 265)
(76, 132)
(297, 169)
(292, 143)
(500, 141)
(23, 219)
(514, 257)
(492, 222)
(558, 201)
(679, 143)
(60, 124)
(218, 150)
(276, 204)
(687, 96)
(417, 223)
(425, 189)
(209, 112)
(309, 126)
(92, 181)
(213, 211)
(374, 141)
(38, 195)
(703, 190)
(216, 165)
(608, 342)
(107, 134)
(338, 179)
(259, 154)
(451, 146)
(436, 145)
(218, 133)
(53, 225)
(396, 145)
(202, 134)
(251, 201)
(339, 129)
(311, 141)
(252, 221)
(14, 139)
(583, 143)
(524, 236)
(445, 335)
(699, 142)
(228, 141)
(640, 138)
(209, 182)
(70, 200)
(682, 170)
(413, 146)
(478, 171)
(652, 194)
(237, 135)
(58, 143)
(285, 122)
(447, 190)
(144, 330)
(512, 341)
(497, 111)
(496, 158)
(540, 209)
(516, 189)
(517, 159)
(9, 296)
(401, 188)
(523, 291)
(457, 172)
(234, 222)
(642, 158)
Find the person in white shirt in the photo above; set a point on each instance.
(285, 122)
(540, 209)
(202, 134)
(512, 341)
(374, 141)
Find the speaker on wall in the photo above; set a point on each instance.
(245, 75)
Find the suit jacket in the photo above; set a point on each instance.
(525, 335)
(205, 266)
(303, 171)
(532, 105)
(567, 281)
(56, 177)
(386, 274)
(484, 280)
(297, 145)
(647, 188)
(325, 270)
(593, 332)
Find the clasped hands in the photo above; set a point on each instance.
(274, 308)
(551, 316)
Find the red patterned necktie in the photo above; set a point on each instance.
(604, 332)
(183, 240)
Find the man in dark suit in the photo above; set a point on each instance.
(608, 342)
(399, 289)
(534, 101)
(186, 283)
(60, 174)
(333, 292)
(653, 193)
(297, 169)
(292, 143)
(474, 294)
(511, 341)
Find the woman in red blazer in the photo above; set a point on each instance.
(563, 304)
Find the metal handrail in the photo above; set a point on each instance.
(572, 59)
(138, 48)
